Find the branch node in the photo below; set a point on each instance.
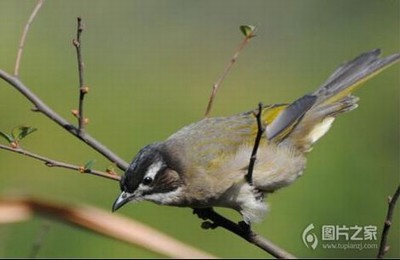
(75, 113)
(86, 121)
(84, 90)
(75, 43)
(80, 24)
(49, 164)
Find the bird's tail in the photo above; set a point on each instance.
(335, 97)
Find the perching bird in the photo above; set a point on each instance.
(205, 163)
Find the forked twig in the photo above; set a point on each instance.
(248, 31)
(383, 248)
(53, 163)
(23, 36)
(42, 107)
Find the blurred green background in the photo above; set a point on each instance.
(150, 66)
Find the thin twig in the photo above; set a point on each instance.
(23, 36)
(82, 89)
(383, 248)
(40, 106)
(53, 163)
(242, 231)
(228, 67)
(39, 241)
(253, 158)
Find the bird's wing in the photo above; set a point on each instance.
(210, 140)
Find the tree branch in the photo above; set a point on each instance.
(100, 222)
(241, 230)
(47, 111)
(383, 248)
(23, 36)
(53, 163)
(253, 158)
(83, 90)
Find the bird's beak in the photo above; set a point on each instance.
(122, 199)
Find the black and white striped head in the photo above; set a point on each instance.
(152, 176)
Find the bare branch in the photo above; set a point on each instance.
(241, 230)
(383, 248)
(103, 223)
(228, 67)
(23, 36)
(253, 158)
(83, 90)
(53, 163)
(40, 106)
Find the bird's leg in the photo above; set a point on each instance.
(246, 227)
(213, 220)
(206, 214)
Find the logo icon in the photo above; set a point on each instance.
(309, 238)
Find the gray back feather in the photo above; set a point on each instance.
(290, 115)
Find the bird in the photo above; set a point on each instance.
(205, 163)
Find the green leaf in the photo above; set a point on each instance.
(89, 164)
(248, 30)
(20, 132)
(25, 131)
(8, 137)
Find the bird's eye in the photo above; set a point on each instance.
(147, 180)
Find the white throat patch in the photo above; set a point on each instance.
(168, 198)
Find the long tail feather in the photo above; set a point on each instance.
(334, 96)
(350, 75)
